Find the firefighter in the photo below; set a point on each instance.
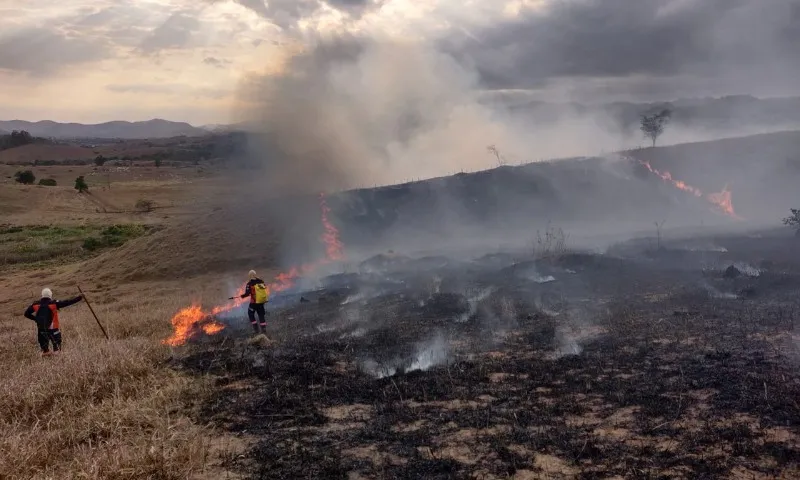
(257, 290)
(45, 313)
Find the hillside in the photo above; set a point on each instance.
(597, 195)
(594, 200)
(27, 154)
(155, 128)
(762, 171)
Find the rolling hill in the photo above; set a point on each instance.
(155, 128)
(595, 199)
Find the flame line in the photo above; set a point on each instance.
(186, 322)
(721, 200)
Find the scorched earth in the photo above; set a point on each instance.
(678, 362)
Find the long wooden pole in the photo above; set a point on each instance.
(94, 314)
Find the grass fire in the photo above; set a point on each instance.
(500, 350)
(400, 240)
(193, 319)
(721, 200)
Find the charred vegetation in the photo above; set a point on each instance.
(577, 365)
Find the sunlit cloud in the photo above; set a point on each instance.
(84, 60)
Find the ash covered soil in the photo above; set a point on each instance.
(680, 362)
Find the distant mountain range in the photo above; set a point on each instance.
(155, 128)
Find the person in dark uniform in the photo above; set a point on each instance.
(45, 313)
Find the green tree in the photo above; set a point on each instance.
(157, 162)
(80, 185)
(48, 182)
(26, 178)
(99, 160)
(652, 126)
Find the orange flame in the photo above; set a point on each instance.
(187, 320)
(333, 247)
(721, 200)
(213, 328)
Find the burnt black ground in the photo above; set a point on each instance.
(637, 365)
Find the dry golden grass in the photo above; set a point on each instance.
(102, 409)
(113, 194)
(105, 409)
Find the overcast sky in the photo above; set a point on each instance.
(98, 60)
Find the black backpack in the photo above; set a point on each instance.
(44, 316)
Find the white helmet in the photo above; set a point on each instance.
(47, 293)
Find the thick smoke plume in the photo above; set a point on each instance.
(351, 112)
(354, 112)
(346, 112)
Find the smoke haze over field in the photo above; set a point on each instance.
(363, 109)
(355, 111)
(352, 111)
(354, 107)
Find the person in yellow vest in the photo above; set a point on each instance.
(45, 313)
(257, 290)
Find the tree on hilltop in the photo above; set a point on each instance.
(652, 126)
(16, 138)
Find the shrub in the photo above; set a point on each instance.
(552, 244)
(114, 236)
(81, 185)
(48, 182)
(26, 177)
(144, 206)
(99, 160)
(92, 243)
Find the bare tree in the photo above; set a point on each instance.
(658, 233)
(494, 151)
(653, 125)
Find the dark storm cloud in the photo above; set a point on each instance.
(622, 38)
(44, 51)
(176, 32)
(286, 13)
(353, 6)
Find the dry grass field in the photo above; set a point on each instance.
(104, 409)
(113, 194)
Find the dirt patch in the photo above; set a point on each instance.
(554, 466)
(349, 412)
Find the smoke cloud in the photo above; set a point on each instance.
(351, 111)
(354, 111)
(348, 111)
